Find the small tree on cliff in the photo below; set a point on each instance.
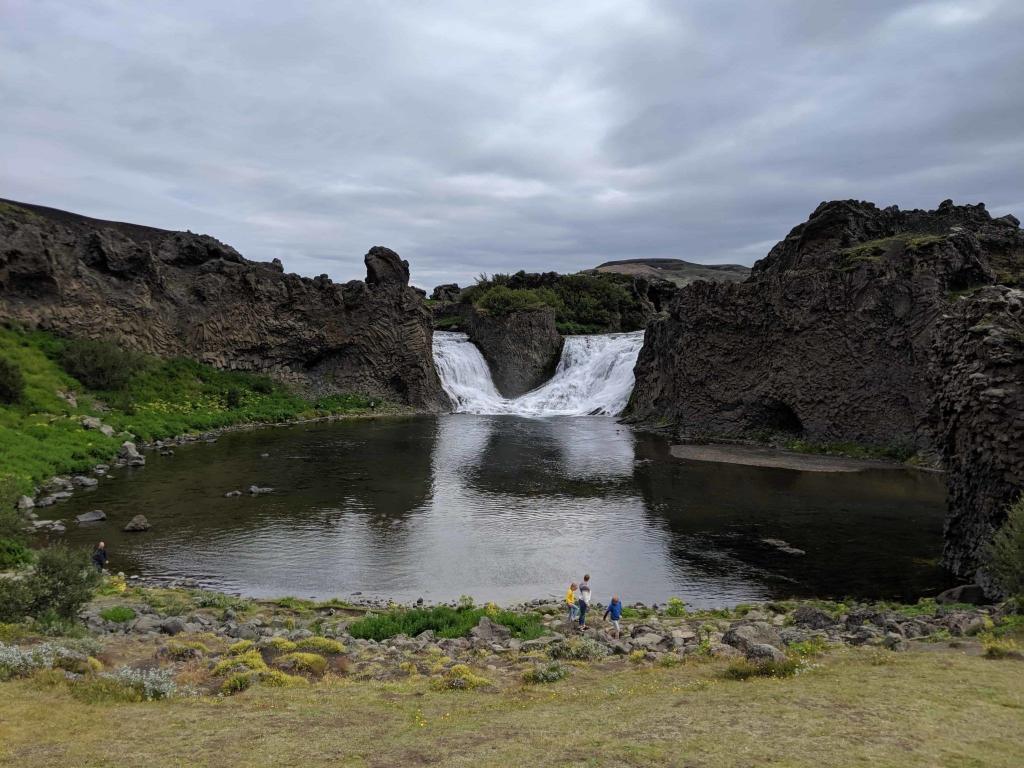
(1006, 554)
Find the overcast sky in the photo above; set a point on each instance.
(493, 136)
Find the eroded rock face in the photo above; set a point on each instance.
(978, 417)
(865, 325)
(181, 294)
(829, 338)
(522, 348)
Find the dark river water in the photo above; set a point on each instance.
(506, 508)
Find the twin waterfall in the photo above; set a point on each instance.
(594, 377)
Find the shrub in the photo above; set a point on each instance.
(545, 673)
(281, 644)
(13, 554)
(501, 300)
(233, 397)
(579, 649)
(322, 645)
(186, 649)
(21, 662)
(119, 614)
(251, 661)
(743, 669)
(637, 656)
(61, 583)
(814, 646)
(444, 621)
(242, 646)
(460, 678)
(1006, 552)
(309, 663)
(238, 682)
(1002, 648)
(278, 679)
(675, 607)
(100, 364)
(12, 382)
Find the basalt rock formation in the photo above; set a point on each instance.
(521, 348)
(856, 327)
(180, 294)
(977, 372)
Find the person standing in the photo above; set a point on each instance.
(570, 601)
(100, 557)
(584, 600)
(614, 610)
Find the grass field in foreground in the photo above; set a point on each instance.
(855, 707)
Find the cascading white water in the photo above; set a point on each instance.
(594, 377)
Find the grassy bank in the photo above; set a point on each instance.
(41, 434)
(852, 708)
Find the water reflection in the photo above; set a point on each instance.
(507, 508)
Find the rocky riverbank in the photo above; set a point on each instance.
(210, 639)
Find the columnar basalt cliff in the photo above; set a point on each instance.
(181, 294)
(977, 372)
(521, 348)
(833, 338)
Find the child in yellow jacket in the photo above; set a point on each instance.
(570, 601)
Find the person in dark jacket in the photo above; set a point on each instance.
(615, 611)
(99, 556)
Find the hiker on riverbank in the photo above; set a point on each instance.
(100, 557)
(570, 601)
(614, 610)
(584, 600)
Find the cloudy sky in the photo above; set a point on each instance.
(492, 136)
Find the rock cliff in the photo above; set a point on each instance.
(180, 294)
(840, 334)
(977, 372)
(521, 348)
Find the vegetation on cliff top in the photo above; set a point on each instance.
(583, 303)
(41, 433)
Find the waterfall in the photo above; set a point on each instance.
(594, 377)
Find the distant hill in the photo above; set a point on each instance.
(676, 270)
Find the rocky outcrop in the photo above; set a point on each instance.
(446, 292)
(521, 348)
(978, 418)
(830, 337)
(180, 294)
(862, 325)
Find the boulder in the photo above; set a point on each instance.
(137, 524)
(814, 618)
(744, 636)
(257, 490)
(147, 623)
(81, 481)
(762, 652)
(487, 631)
(91, 422)
(91, 517)
(130, 455)
(172, 626)
(965, 593)
(648, 640)
(25, 503)
(522, 348)
(232, 494)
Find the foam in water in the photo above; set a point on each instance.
(594, 377)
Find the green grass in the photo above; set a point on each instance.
(119, 614)
(853, 450)
(941, 708)
(42, 436)
(444, 621)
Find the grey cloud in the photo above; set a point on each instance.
(478, 137)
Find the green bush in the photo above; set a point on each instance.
(577, 649)
(743, 669)
(322, 645)
(545, 673)
(501, 300)
(12, 382)
(61, 583)
(310, 663)
(1006, 552)
(119, 614)
(444, 621)
(237, 683)
(233, 397)
(100, 364)
(675, 607)
(13, 554)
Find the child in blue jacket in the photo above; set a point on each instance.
(615, 611)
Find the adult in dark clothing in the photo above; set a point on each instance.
(99, 556)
